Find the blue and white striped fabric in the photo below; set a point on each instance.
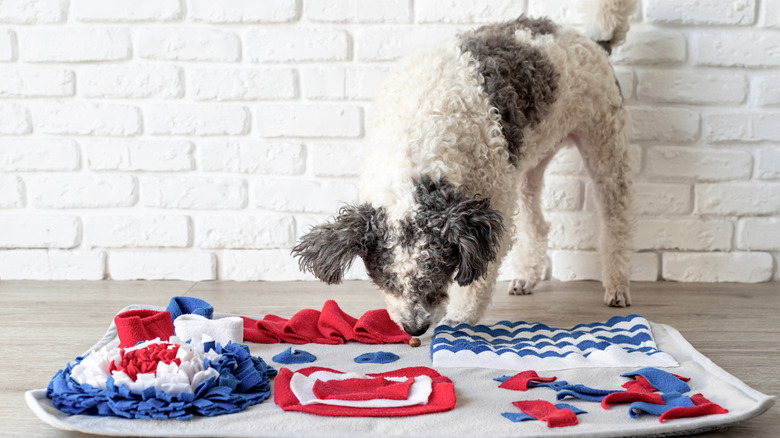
(619, 342)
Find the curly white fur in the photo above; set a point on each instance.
(441, 170)
(434, 118)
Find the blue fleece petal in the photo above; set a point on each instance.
(672, 400)
(577, 411)
(661, 380)
(517, 416)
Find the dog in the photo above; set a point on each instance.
(455, 155)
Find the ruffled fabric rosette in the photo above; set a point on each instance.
(162, 379)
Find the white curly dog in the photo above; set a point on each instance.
(455, 154)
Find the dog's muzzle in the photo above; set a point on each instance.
(416, 331)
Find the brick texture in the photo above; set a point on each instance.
(200, 139)
(34, 12)
(122, 11)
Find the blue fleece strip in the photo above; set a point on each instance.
(583, 392)
(577, 411)
(671, 400)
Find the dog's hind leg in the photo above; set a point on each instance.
(529, 257)
(605, 152)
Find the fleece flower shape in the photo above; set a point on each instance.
(159, 379)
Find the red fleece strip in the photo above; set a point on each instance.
(136, 326)
(630, 397)
(442, 397)
(362, 389)
(519, 382)
(144, 360)
(328, 326)
(545, 411)
(703, 407)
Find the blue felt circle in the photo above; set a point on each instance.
(289, 357)
(378, 357)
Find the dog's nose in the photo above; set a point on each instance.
(416, 331)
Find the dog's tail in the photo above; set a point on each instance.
(607, 21)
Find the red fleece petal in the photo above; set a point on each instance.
(693, 411)
(145, 360)
(703, 407)
(519, 382)
(630, 397)
(545, 411)
(640, 384)
(362, 389)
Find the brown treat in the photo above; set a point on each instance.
(414, 342)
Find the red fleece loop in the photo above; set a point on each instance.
(703, 407)
(545, 411)
(328, 326)
(630, 397)
(338, 325)
(442, 396)
(144, 360)
(519, 382)
(362, 389)
(140, 325)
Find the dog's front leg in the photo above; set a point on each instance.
(529, 257)
(468, 303)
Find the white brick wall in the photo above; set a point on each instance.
(194, 139)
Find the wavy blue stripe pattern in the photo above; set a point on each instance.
(523, 339)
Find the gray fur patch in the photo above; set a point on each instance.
(328, 250)
(454, 231)
(519, 80)
(426, 229)
(379, 258)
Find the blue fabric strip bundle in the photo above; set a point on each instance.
(243, 381)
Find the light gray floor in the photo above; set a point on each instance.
(46, 324)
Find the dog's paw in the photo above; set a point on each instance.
(450, 322)
(617, 297)
(520, 287)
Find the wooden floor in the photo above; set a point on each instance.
(43, 325)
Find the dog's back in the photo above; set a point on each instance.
(487, 106)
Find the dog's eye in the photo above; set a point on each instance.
(433, 299)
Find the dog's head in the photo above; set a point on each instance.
(446, 236)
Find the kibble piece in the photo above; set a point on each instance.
(414, 342)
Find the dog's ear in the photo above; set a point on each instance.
(475, 229)
(327, 250)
